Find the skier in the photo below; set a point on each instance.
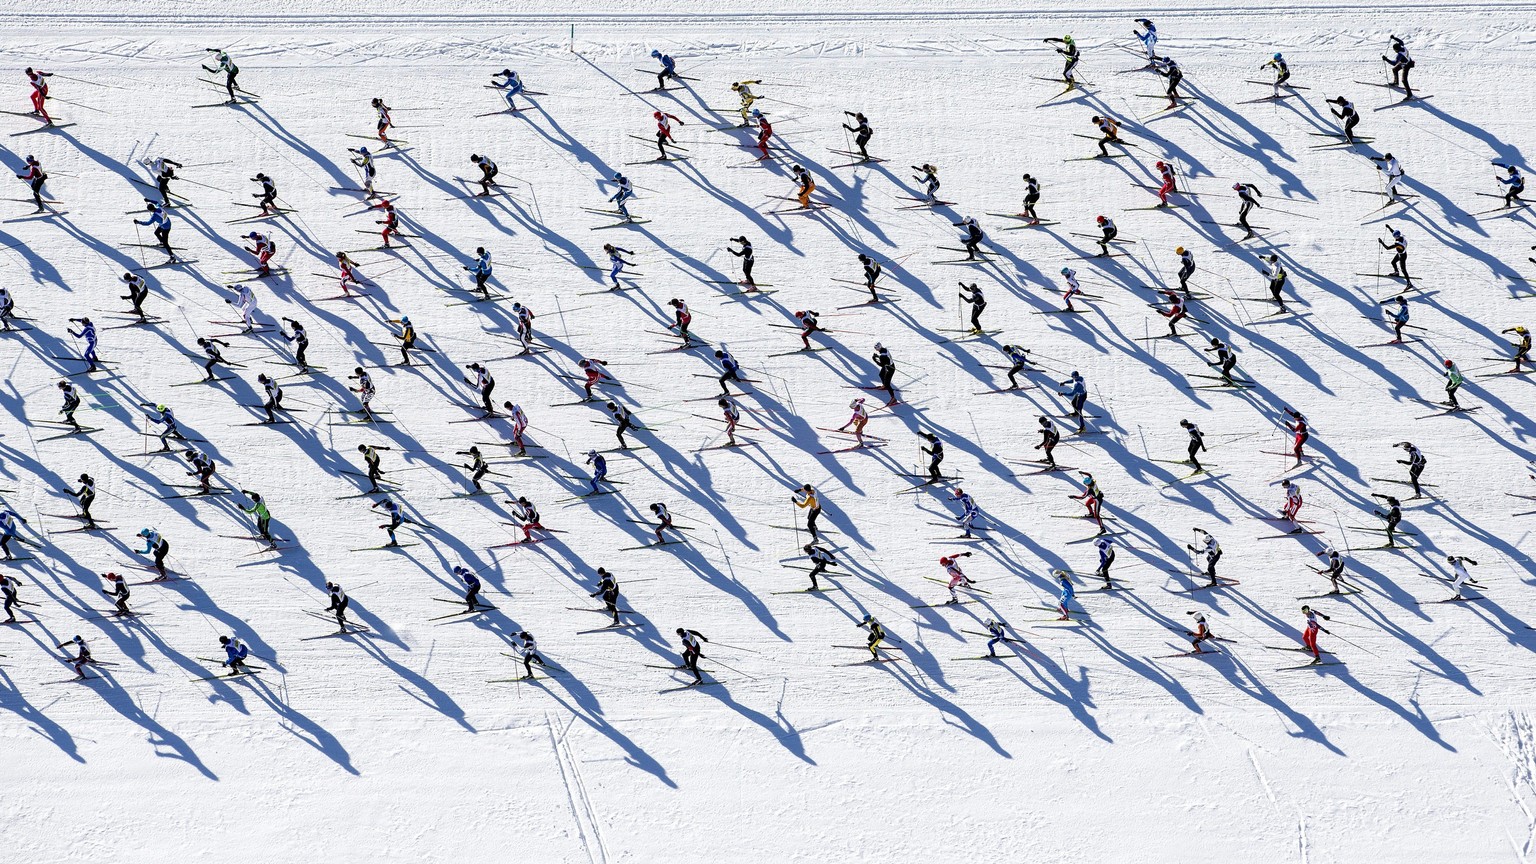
(1274, 271)
(1169, 68)
(805, 499)
(524, 326)
(7, 309)
(732, 415)
(1073, 288)
(872, 273)
(594, 371)
(1110, 232)
(608, 589)
(1246, 191)
(485, 384)
(957, 577)
(821, 559)
(1031, 198)
(973, 236)
(210, 346)
(1077, 394)
(731, 370)
(930, 180)
(263, 249)
(668, 70)
(1522, 348)
(9, 529)
(244, 301)
(396, 519)
(743, 89)
(266, 199)
(809, 323)
(81, 658)
(1175, 313)
(1093, 500)
(391, 221)
(9, 586)
(1392, 170)
(71, 404)
(162, 222)
(969, 512)
(1399, 249)
(299, 339)
(764, 133)
(203, 468)
(230, 70)
(1201, 633)
(1453, 382)
(159, 547)
(85, 496)
(806, 185)
(235, 653)
(1196, 444)
(1049, 438)
(363, 161)
(480, 269)
(529, 651)
(977, 300)
(1148, 38)
(626, 192)
(693, 651)
(162, 416)
(1282, 73)
(664, 132)
(263, 516)
(488, 172)
(471, 587)
(1335, 569)
(861, 133)
(372, 460)
(1309, 635)
(1068, 594)
(1106, 549)
(1459, 567)
(519, 426)
(1392, 516)
(274, 397)
(511, 86)
(886, 366)
(339, 603)
(88, 333)
(1111, 132)
(527, 516)
(477, 467)
(35, 178)
(1071, 57)
(1018, 358)
(624, 419)
(1416, 464)
(1209, 548)
(365, 391)
(39, 81)
(138, 292)
(599, 469)
(876, 635)
(1400, 64)
(748, 258)
(616, 262)
(1346, 115)
(935, 452)
(1167, 186)
(1512, 179)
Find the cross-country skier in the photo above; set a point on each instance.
(664, 518)
(764, 133)
(1416, 463)
(973, 236)
(608, 589)
(876, 634)
(138, 292)
(35, 178)
(957, 577)
(617, 262)
(1292, 502)
(158, 546)
(1201, 633)
(969, 512)
(161, 415)
(1399, 249)
(1049, 438)
(805, 186)
(300, 341)
(935, 453)
(203, 468)
(1391, 171)
(88, 333)
(1070, 56)
(748, 258)
(1073, 288)
(488, 172)
(809, 320)
(731, 412)
(1109, 232)
(71, 404)
(978, 302)
(1077, 394)
(235, 653)
(363, 161)
(743, 89)
(365, 391)
(244, 300)
(273, 401)
(1453, 382)
(266, 199)
(1521, 347)
(1207, 547)
(263, 516)
(623, 419)
(1168, 68)
(85, 496)
(9, 586)
(1399, 316)
(805, 499)
(1335, 569)
(1346, 115)
(1166, 184)
(1148, 37)
(1246, 192)
(693, 651)
(9, 529)
(1196, 444)
(930, 181)
(730, 369)
(230, 70)
(668, 70)
(1392, 516)
(339, 603)
(872, 273)
(1110, 130)
(1093, 500)
(861, 133)
(1400, 64)
(471, 586)
(477, 467)
(484, 384)
(1106, 549)
(480, 269)
(599, 469)
(593, 371)
(1309, 635)
(528, 651)
(519, 426)
(162, 224)
(1175, 312)
(391, 221)
(396, 519)
(39, 81)
(1067, 595)
(1462, 577)
(82, 656)
(821, 559)
(1514, 182)
(1282, 73)
(511, 86)
(262, 248)
(1274, 273)
(885, 365)
(373, 461)
(626, 191)
(664, 131)
(1018, 359)
(211, 346)
(1031, 198)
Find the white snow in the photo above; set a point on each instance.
(1092, 746)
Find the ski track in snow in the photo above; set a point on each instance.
(390, 744)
